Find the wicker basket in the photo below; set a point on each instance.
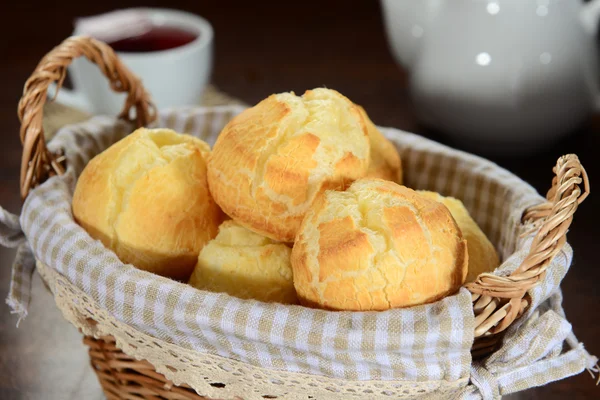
(497, 300)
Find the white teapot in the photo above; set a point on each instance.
(498, 74)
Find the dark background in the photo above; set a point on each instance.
(261, 47)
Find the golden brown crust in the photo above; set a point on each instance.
(376, 246)
(146, 197)
(271, 161)
(245, 264)
(482, 254)
(385, 161)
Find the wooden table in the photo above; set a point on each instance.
(261, 48)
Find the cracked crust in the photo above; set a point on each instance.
(482, 254)
(375, 246)
(385, 161)
(121, 197)
(272, 160)
(246, 265)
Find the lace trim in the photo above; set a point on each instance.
(199, 370)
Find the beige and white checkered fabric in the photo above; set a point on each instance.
(424, 343)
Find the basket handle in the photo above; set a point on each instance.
(37, 162)
(499, 300)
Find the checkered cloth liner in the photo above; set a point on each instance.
(424, 343)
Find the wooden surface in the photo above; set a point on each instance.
(261, 48)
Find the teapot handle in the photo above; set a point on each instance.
(590, 19)
(590, 16)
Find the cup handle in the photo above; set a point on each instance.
(70, 98)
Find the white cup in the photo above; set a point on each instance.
(173, 77)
